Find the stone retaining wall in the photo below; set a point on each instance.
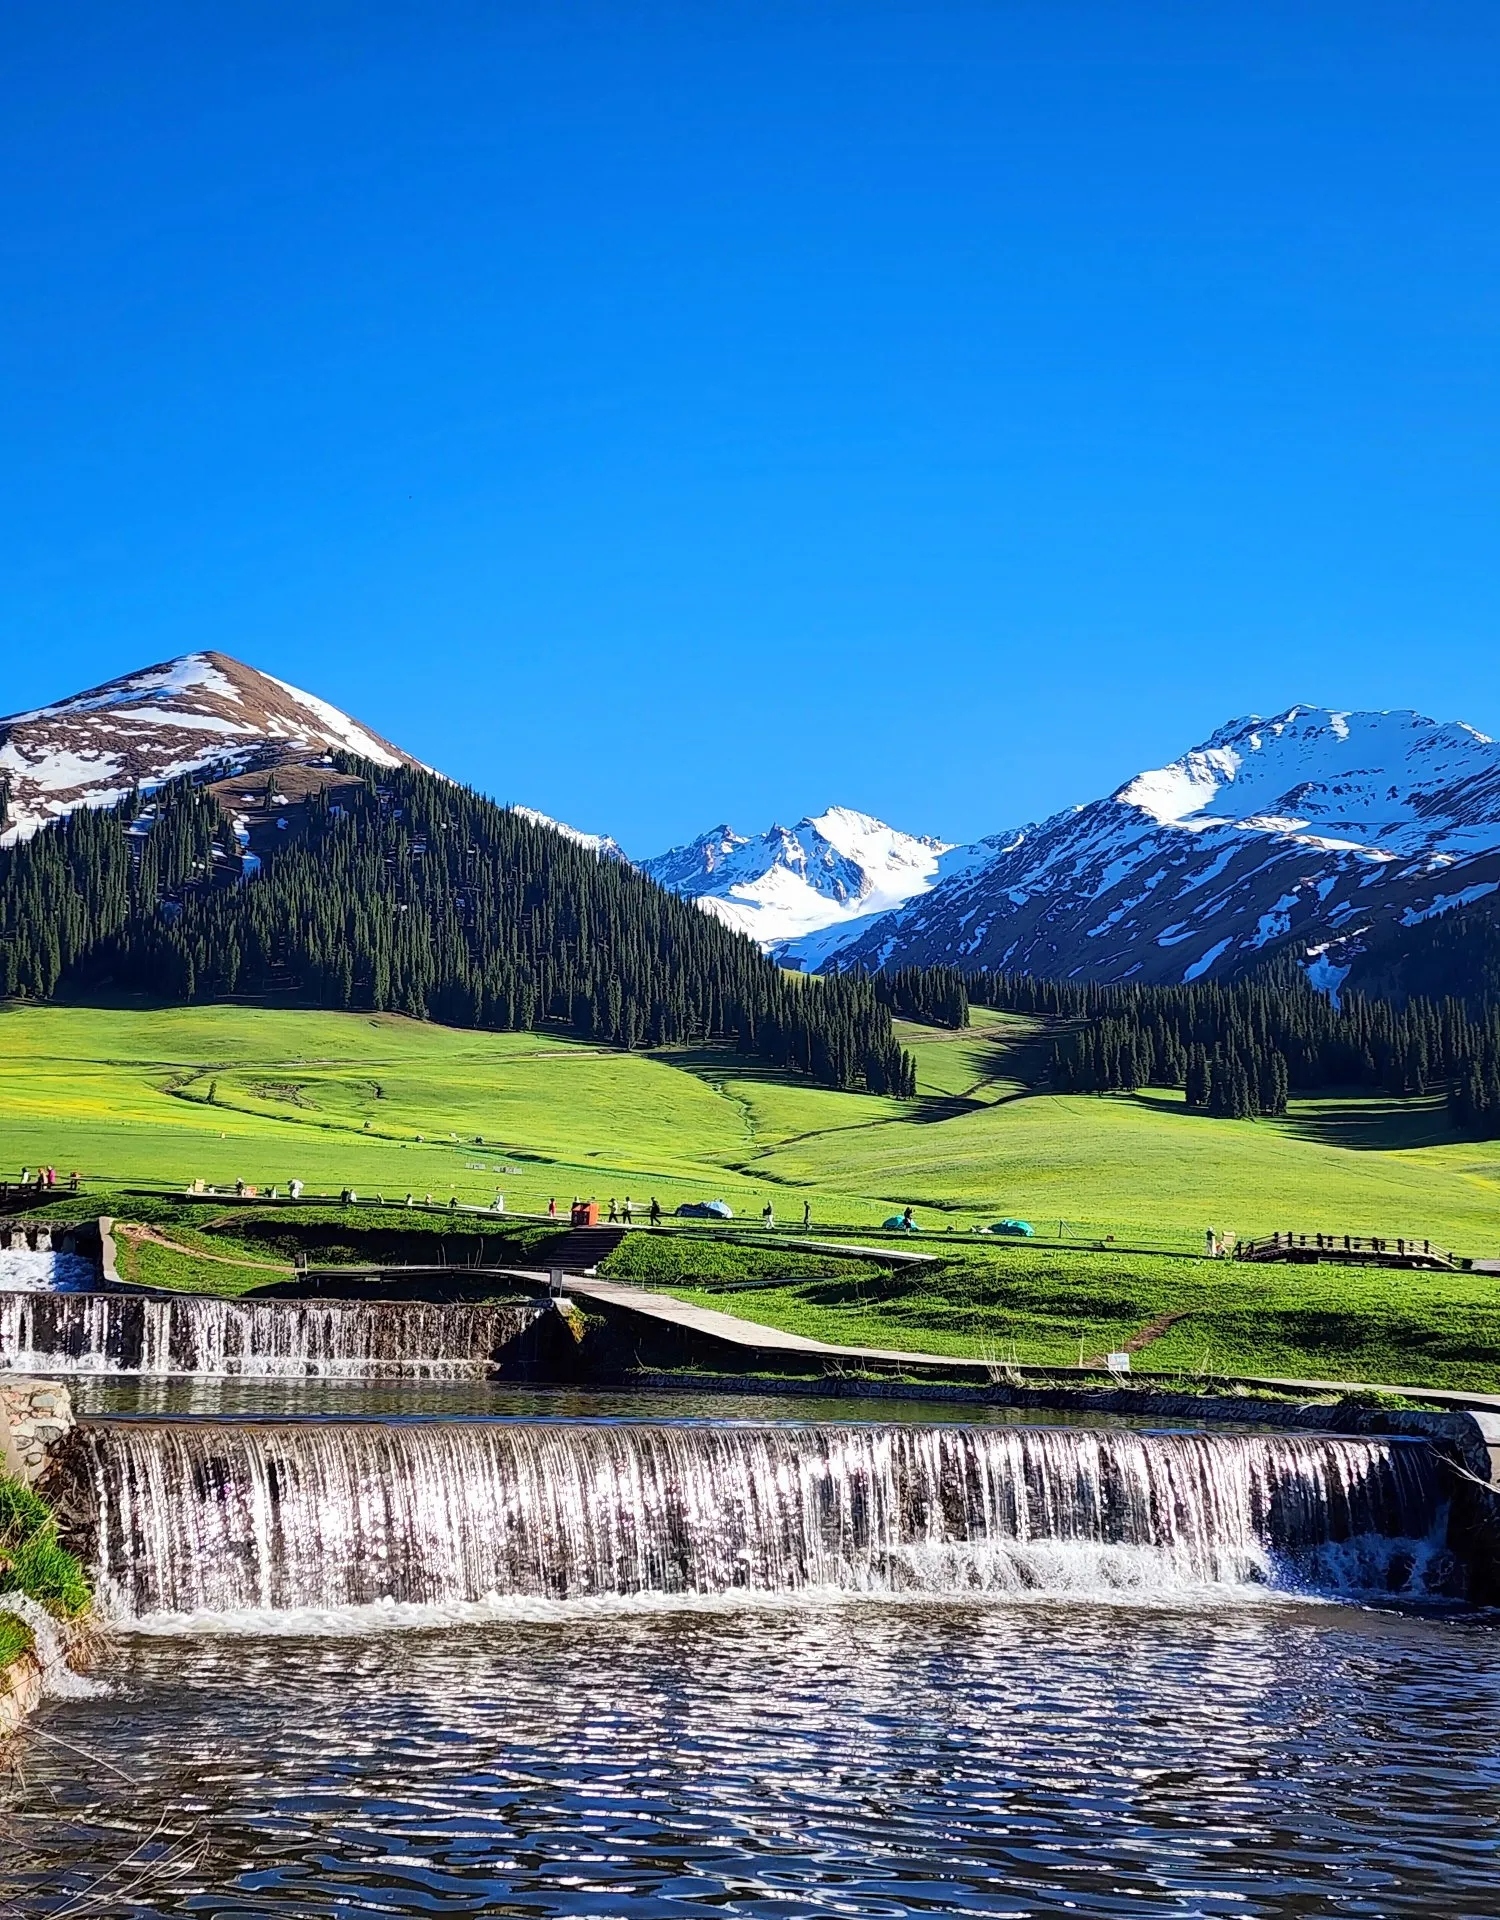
(36, 1416)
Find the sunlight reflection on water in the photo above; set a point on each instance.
(863, 1760)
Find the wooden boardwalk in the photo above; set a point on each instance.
(1350, 1250)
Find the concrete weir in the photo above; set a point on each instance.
(162, 1336)
(639, 1335)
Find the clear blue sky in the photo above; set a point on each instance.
(667, 414)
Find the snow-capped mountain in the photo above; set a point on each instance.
(1320, 832)
(1314, 830)
(600, 843)
(821, 880)
(186, 714)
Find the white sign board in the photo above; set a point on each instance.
(1117, 1362)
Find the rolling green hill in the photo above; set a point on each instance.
(391, 1105)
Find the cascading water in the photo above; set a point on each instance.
(43, 1269)
(199, 1518)
(132, 1333)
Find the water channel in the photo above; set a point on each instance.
(446, 1646)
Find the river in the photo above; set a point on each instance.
(1259, 1757)
(447, 1648)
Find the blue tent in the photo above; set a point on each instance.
(901, 1224)
(705, 1210)
(1022, 1229)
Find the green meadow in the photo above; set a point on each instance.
(1029, 1306)
(389, 1106)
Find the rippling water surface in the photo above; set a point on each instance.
(858, 1760)
(239, 1398)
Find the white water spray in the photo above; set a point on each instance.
(325, 1339)
(213, 1519)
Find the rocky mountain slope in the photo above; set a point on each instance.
(1316, 829)
(1331, 834)
(818, 882)
(599, 843)
(166, 720)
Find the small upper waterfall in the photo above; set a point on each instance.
(198, 1334)
(43, 1267)
(223, 1518)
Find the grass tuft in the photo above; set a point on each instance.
(33, 1559)
(15, 1639)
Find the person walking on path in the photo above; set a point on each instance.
(806, 1215)
(614, 1212)
(655, 1211)
(552, 1208)
(626, 1214)
(767, 1215)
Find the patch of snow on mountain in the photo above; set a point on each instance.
(201, 711)
(1276, 922)
(832, 874)
(599, 843)
(1414, 916)
(341, 727)
(1171, 795)
(1201, 966)
(175, 717)
(1325, 976)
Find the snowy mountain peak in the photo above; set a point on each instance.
(832, 868)
(1393, 780)
(1309, 828)
(177, 717)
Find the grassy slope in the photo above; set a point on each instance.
(15, 1639)
(394, 1106)
(1143, 1167)
(1037, 1307)
(124, 1093)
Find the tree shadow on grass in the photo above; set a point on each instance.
(1358, 1121)
(1363, 1124)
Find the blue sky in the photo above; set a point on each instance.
(669, 414)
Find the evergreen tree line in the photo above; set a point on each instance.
(411, 895)
(1238, 1050)
(934, 995)
(1453, 954)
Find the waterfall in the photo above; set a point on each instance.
(218, 1518)
(195, 1334)
(44, 1271)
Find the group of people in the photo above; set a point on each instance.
(43, 1180)
(768, 1215)
(620, 1214)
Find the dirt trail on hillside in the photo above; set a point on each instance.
(1152, 1331)
(135, 1230)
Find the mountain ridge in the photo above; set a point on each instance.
(1322, 831)
(1314, 829)
(142, 729)
(787, 883)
